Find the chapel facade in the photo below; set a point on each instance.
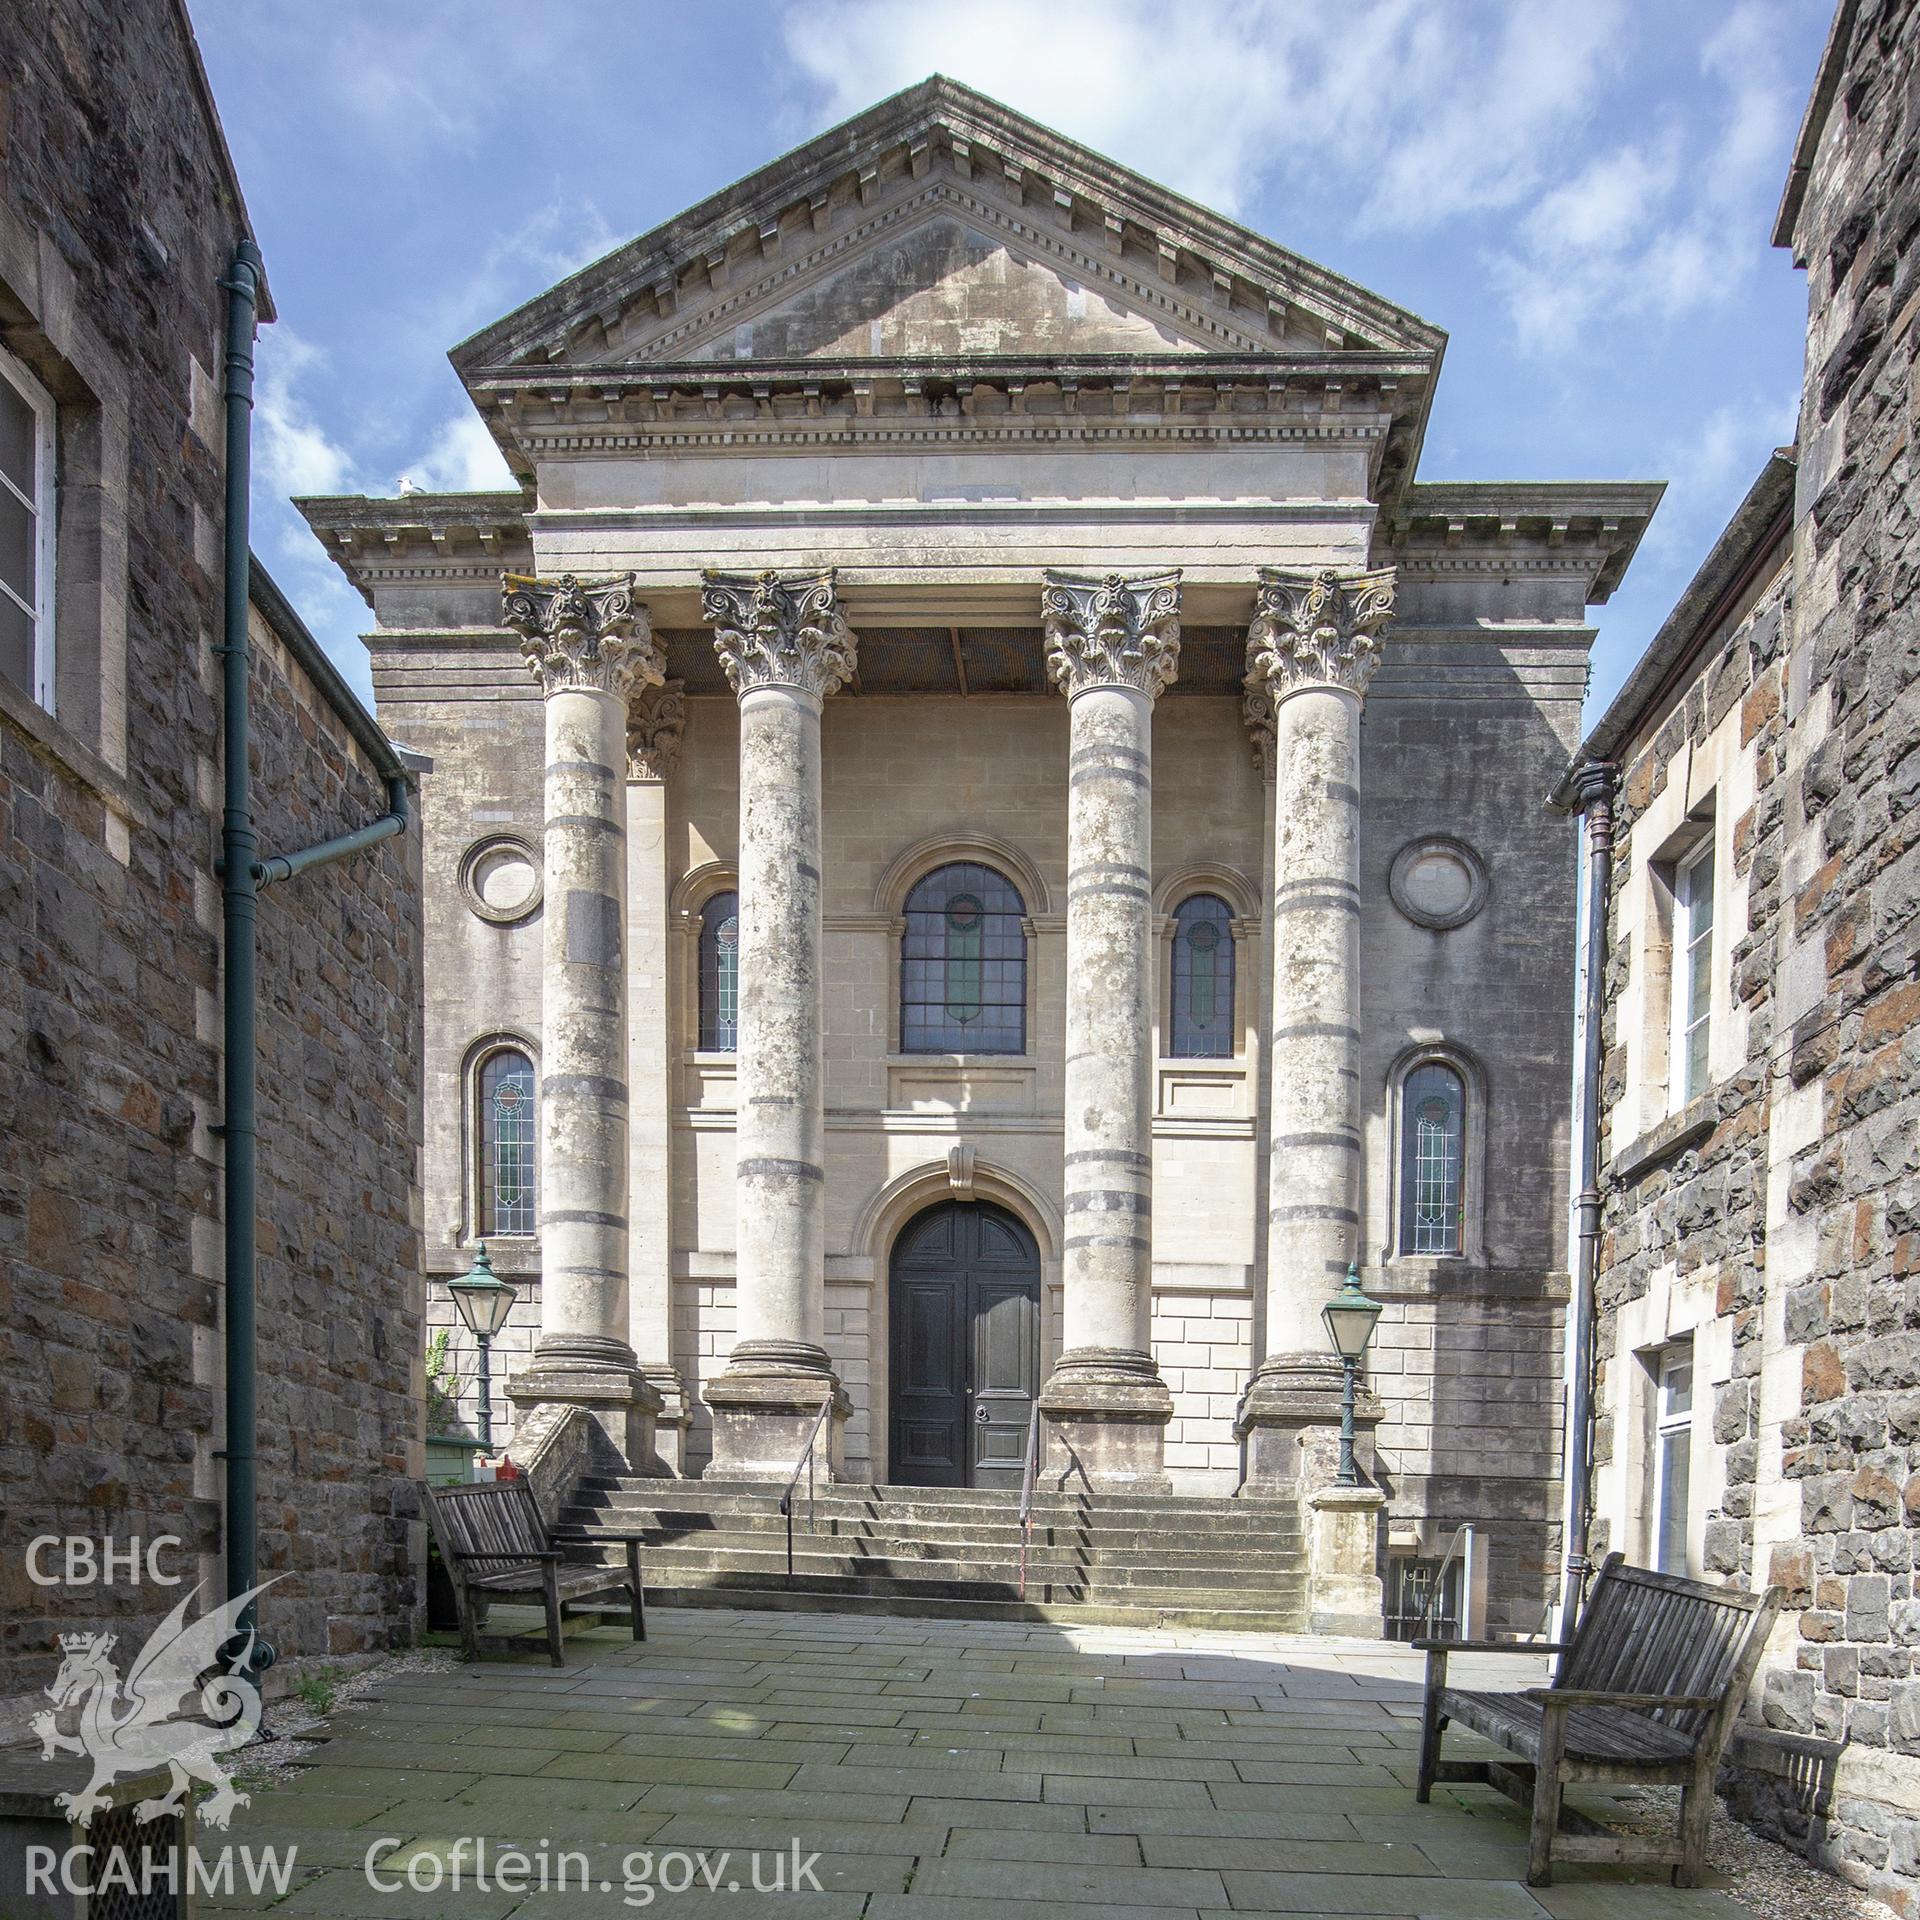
(1021, 856)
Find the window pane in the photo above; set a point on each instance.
(1697, 1006)
(16, 646)
(18, 437)
(720, 973)
(1202, 983)
(1432, 1154)
(18, 530)
(1676, 1463)
(507, 1125)
(963, 964)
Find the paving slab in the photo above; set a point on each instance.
(939, 1771)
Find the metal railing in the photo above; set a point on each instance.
(805, 1462)
(1435, 1593)
(1029, 1474)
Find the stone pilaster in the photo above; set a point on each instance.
(1311, 650)
(656, 720)
(785, 646)
(588, 644)
(1112, 645)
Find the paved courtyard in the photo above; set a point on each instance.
(940, 1771)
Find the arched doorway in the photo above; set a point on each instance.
(964, 1308)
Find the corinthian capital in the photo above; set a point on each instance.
(779, 630)
(655, 723)
(1112, 631)
(582, 635)
(1317, 630)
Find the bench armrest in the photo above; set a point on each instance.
(508, 1559)
(1592, 1697)
(1491, 1646)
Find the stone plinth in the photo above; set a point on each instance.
(1345, 1529)
(1105, 1412)
(765, 1406)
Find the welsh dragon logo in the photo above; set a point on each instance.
(136, 1725)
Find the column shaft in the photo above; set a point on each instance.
(1109, 1066)
(1112, 645)
(780, 1185)
(654, 728)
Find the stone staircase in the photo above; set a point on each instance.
(1174, 1560)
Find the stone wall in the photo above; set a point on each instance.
(110, 1272)
(1777, 1219)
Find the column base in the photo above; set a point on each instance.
(1345, 1594)
(672, 1421)
(1288, 1423)
(764, 1407)
(1105, 1412)
(600, 1376)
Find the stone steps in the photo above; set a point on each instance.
(1127, 1559)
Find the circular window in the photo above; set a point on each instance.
(501, 878)
(1438, 882)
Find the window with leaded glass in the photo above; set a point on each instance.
(963, 964)
(720, 973)
(507, 1189)
(1202, 978)
(1433, 1113)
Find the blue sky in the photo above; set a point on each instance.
(1579, 191)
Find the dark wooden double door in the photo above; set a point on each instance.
(964, 1310)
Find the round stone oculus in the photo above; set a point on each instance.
(1438, 882)
(501, 878)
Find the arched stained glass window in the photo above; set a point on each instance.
(1433, 1130)
(720, 973)
(963, 964)
(507, 1118)
(1202, 978)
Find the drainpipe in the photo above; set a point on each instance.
(239, 891)
(1593, 791)
(242, 875)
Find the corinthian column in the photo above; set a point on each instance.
(785, 646)
(1112, 645)
(1311, 650)
(588, 644)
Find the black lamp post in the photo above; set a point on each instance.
(1350, 1319)
(485, 1300)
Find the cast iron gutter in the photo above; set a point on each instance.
(1594, 787)
(242, 875)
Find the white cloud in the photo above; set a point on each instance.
(293, 453)
(460, 458)
(1422, 114)
(1662, 227)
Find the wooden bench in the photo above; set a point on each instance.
(497, 1547)
(1645, 1693)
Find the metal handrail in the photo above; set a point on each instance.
(1440, 1581)
(1028, 1476)
(793, 1480)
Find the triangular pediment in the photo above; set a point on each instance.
(942, 225)
(947, 283)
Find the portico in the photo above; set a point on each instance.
(1068, 767)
